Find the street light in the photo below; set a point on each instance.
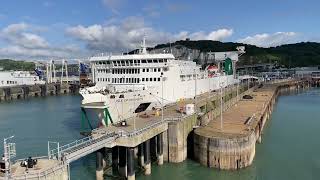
(7, 156)
(162, 96)
(221, 103)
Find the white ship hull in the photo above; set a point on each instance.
(124, 108)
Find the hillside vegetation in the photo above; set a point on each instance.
(8, 64)
(291, 55)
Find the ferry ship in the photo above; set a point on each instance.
(16, 78)
(133, 83)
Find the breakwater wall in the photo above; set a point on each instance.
(230, 143)
(37, 90)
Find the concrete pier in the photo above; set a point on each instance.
(99, 164)
(123, 161)
(231, 145)
(160, 148)
(115, 160)
(141, 155)
(147, 157)
(130, 164)
(28, 91)
(44, 169)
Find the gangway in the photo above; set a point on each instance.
(82, 147)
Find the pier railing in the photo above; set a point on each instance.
(81, 147)
(38, 174)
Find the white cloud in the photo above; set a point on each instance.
(217, 35)
(16, 34)
(23, 42)
(271, 40)
(129, 33)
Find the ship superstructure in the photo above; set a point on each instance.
(130, 84)
(16, 78)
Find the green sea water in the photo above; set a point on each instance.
(289, 150)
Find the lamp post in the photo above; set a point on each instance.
(238, 87)
(162, 106)
(221, 103)
(6, 157)
(134, 106)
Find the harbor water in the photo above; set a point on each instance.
(289, 149)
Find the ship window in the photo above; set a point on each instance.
(154, 79)
(122, 63)
(150, 79)
(159, 69)
(103, 62)
(158, 79)
(143, 70)
(112, 96)
(142, 79)
(155, 70)
(165, 60)
(147, 79)
(165, 69)
(149, 60)
(121, 96)
(127, 63)
(108, 62)
(147, 70)
(155, 61)
(143, 61)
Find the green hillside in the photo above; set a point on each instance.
(8, 64)
(291, 55)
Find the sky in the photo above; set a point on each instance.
(45, 29)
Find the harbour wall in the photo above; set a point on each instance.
(234, 146)
(27, 91)
(178, 139)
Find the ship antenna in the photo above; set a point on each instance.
(144, 48)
